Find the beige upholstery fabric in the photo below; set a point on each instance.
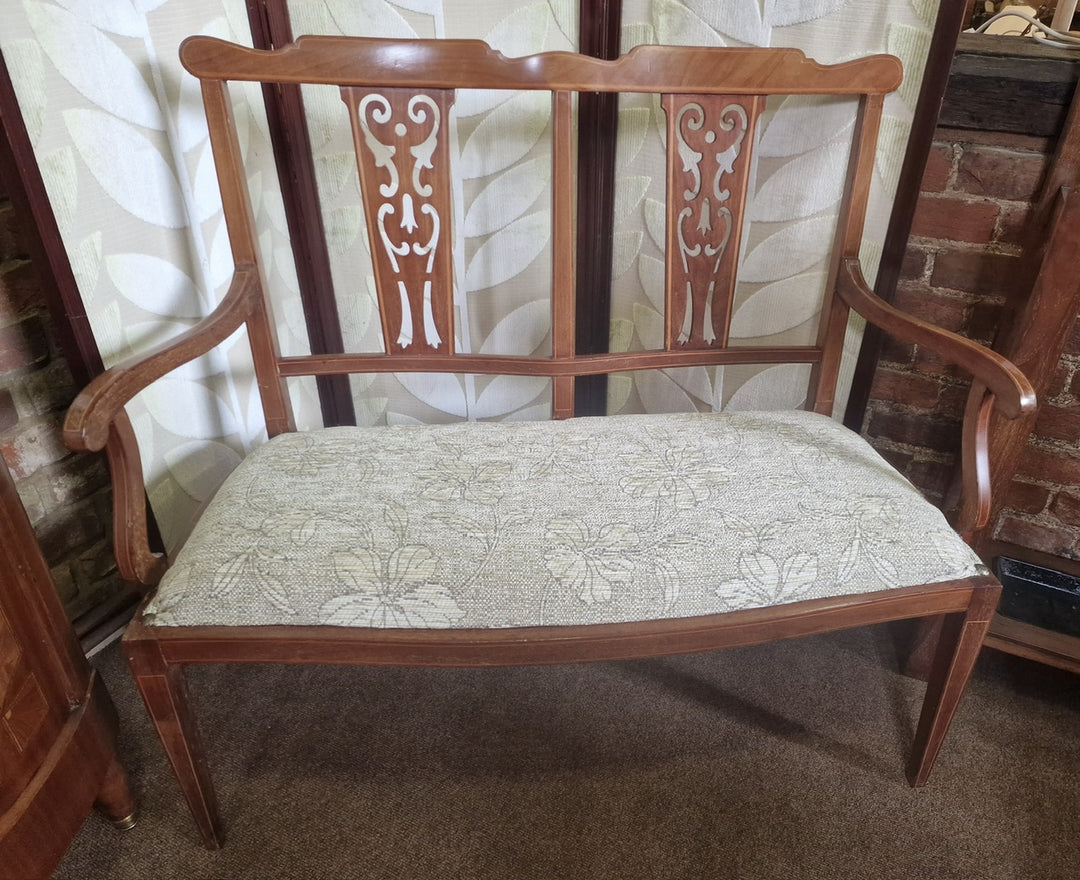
(589, 520)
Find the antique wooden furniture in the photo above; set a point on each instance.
(554, 541)
(57, 724)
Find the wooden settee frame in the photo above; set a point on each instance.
(399, 70)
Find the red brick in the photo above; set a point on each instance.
(899, 460)
(1059, 423)
(1001, 173)
(913, 268)
(65, 584)
(932, 478)
(23, 344)
(974, 271)
(1063, 379)
(50, 388)
(929, 361)
(954, 219)
(896, 352)
(953, 399)
(1037, 536)
(34, 446)
(1013, 223)
(916, 429)
(1066, 508)
(20, 292)
(1072, 344)
(943, 309)
(69, 531)
(9, 416)
(984, 320)
(910, 389)
(939, 165)
(10, 238)
(31, 500)
(1026, 497)
(1049, 466)
(967, 137)
(95, 563)
(72, 479)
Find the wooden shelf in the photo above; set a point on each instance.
(1035, 643)
(1026, 639)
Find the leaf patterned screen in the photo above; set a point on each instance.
(119, 134)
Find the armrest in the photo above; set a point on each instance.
(97, 419)
(137, 563)
(998, 384)
(1013, 392)
(86, 427)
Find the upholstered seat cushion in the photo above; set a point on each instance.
(583, 521)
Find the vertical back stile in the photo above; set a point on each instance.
(563, 256)
(240, 222)
(403, 158)
(849, 230)
(708, 165)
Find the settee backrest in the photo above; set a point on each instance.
(398, 97)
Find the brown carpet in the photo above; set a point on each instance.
(783, 761)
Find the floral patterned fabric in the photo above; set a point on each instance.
(588, 520)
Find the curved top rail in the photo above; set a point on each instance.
(364, 61)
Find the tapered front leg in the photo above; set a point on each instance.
(164, 691)
(957, 650)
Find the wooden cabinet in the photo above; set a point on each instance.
(57, 724)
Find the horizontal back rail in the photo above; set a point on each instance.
(472, 64)
(578, 365)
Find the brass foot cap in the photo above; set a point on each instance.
(126, 823)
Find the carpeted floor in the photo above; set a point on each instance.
(783, 761)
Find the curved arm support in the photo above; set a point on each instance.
(973, 512)
(134, 558)
(87, 426)
(998, 383)
(1011, 389)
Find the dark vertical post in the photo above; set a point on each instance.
(270, 28)
(21, 177)
(598, 118)
(950, 20)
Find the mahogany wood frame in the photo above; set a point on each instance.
(158, 654)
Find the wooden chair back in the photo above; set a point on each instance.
(399, 95)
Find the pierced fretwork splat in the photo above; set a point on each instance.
(708, 166)
(403, 159)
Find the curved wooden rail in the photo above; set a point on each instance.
(1013, 391)
(473, 64)
(998, 384)
(88, 421)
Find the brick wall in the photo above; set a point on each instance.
(962, 255)
(66, 496)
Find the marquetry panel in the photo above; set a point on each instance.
(23, 712)
(709, 139)
(400, 136)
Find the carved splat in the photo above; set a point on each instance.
(400, 136)
(708, 166)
